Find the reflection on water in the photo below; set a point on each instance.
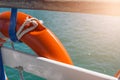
(93, 41)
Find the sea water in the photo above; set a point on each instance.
(92, 41)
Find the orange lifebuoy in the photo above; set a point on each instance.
(41, 39)
(117, 75)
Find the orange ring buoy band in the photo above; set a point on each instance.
(117, 75)
(41, 39)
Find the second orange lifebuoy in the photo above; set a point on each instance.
(41, 39)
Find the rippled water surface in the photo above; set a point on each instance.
(92, 41)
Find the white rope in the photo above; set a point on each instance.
(20, 32)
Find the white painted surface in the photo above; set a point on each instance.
(50, 69)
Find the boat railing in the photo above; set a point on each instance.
(104, 7)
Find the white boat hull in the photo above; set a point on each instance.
(49, 69)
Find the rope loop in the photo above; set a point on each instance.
(28, 20)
